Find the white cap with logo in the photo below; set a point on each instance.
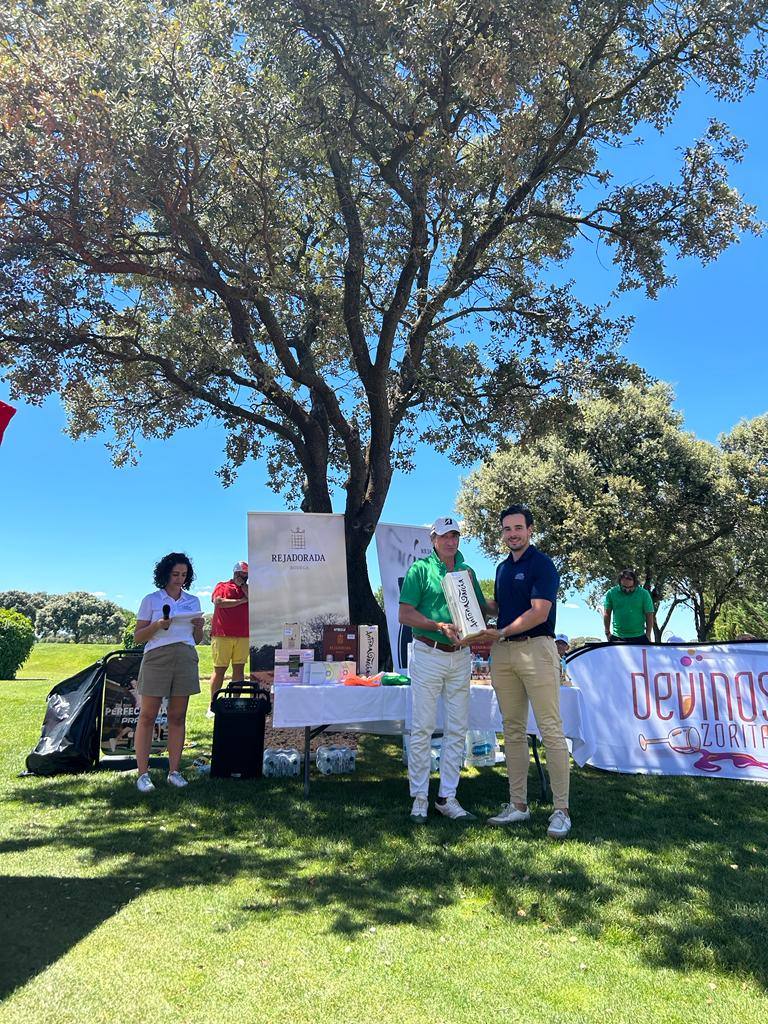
(561, 638)
(443, 525)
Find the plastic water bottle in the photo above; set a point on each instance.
(335, 760)
(434, 754)
(480, 750)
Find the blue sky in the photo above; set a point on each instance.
(69, 521)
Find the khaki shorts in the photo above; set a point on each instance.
(169, 671)
(229, 648)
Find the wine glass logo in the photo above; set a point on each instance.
(683, 740)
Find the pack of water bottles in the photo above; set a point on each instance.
(435, 749)
(281, 762)
(334, 760)
(480, 749)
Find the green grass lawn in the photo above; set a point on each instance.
(242, 902)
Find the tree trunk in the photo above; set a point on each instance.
(364, 609)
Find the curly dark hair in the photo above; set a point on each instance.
(166, 564)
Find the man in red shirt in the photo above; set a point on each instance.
(229, 629)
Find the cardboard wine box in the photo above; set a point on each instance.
(340, 643)
(324, 673)
(291, 636)
(463, 604)
(367, 650)
(288, 664)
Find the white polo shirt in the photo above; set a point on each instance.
(180, 632)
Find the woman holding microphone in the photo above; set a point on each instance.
(169, 623)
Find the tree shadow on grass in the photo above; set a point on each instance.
(675, 867)
(44, 916)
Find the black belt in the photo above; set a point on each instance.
(441, 647)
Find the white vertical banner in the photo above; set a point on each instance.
(398, 547)
(297, 572)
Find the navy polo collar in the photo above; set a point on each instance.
(529, 553)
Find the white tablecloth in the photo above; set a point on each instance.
(388, 709)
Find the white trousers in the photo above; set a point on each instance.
(434, 673)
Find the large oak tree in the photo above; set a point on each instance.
(620, 483)
(330, 224)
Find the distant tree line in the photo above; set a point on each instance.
(76, 617)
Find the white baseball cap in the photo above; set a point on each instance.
(240, 567)
(443, 525)
(561, 638)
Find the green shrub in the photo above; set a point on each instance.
(17, 638)
(128, 641)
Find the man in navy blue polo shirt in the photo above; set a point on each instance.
(525, 667)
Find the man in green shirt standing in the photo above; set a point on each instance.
(439, 666)
(632, 609)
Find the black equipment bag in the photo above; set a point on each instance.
(69, 741)
(70, 738)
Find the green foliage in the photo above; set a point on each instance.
(582, 641)
(331, 225)
(24, 602)
(128, 630)
(621, 483)
(488, 587)
(742, 617)
(81, 617)
(17, 637)
(208, 617)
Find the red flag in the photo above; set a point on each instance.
(7, 412)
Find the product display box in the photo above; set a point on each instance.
(288, 664)
(324, 673)
(367, 650)
(291, 636)
(463, 604)
(340, 643)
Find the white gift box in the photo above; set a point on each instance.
(463, 604)
(325, 673)
(367, 650)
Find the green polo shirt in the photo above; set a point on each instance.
(629, 611)
(423, 588)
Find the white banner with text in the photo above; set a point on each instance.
(687, 709)
(398, 547)
(297, 572)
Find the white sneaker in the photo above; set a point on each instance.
(177, 779)
(144, 784)
(210, 713)
(419, 810)
(559, 825)
(453, 809)
(509, 815)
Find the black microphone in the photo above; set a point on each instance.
(166, 612)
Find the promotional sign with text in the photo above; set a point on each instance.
(398, 547)
(699, 709)
(297, 573)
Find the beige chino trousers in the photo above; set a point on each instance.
(529, 671)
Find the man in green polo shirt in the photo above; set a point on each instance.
(632, 609)
(439, 666)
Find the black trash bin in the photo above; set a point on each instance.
(240, 712)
